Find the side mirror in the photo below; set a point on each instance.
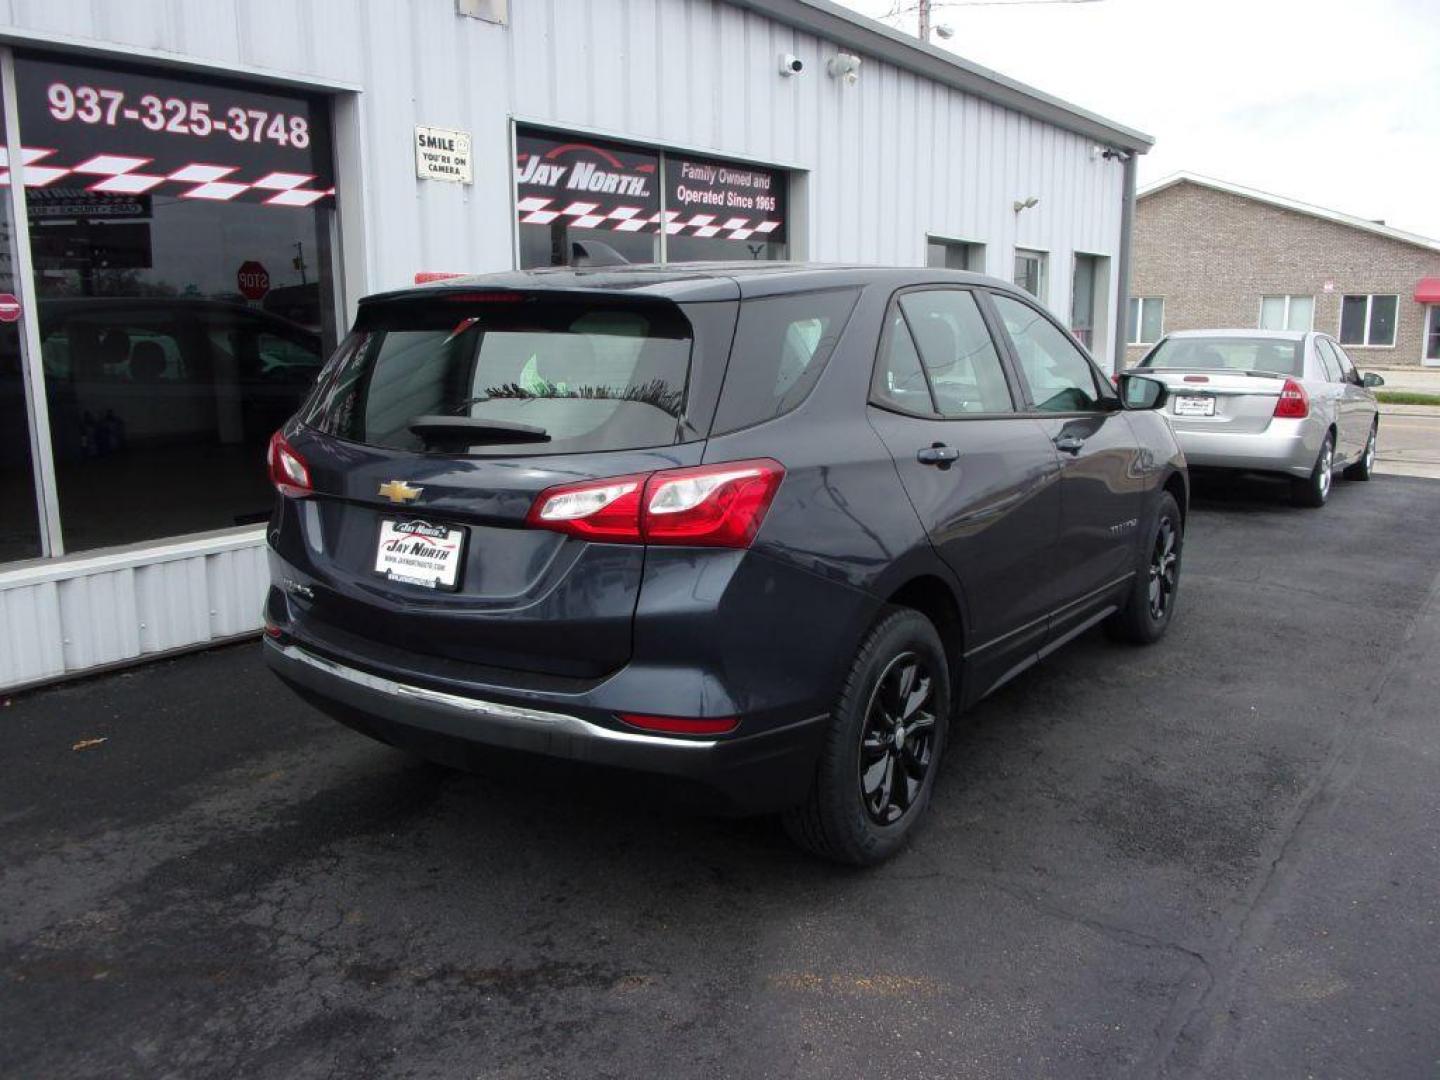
(1140, 392)
(1371, 379)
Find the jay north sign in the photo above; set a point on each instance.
(587, 183)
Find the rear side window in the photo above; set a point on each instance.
(957, 351)
(781, 346)
(507, 374)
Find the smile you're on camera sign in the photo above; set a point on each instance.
(442, 154)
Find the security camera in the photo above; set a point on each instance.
(790, 64)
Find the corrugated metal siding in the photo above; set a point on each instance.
(74, 614)
(889, 160)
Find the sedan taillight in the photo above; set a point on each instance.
(1294, 403)
(288, 471)
(704, 506)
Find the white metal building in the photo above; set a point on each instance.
(210, 185)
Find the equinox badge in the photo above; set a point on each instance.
(398, 491)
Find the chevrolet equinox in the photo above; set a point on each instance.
(762, 528)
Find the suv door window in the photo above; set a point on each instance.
(960, 359)
(1061, 379)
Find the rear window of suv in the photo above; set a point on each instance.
(1279, 356)
(507, 374)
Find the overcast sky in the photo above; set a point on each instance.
(1334, 102)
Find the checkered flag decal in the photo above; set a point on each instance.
(535, 210)
(117, 174)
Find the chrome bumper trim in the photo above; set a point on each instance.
(494, 710)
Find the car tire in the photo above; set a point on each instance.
(866, 798)
(1365, 467)
(1150, 605)
(1314, 490)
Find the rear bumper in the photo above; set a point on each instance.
(740, 772)
(1285, 446)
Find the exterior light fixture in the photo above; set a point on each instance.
(1026, 204)
(844, 66)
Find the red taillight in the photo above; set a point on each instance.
(711, 505)
(705, 506)
(288, 471)
(1294, 403)
(606, 509)
(682, 725)
(424, 277)
(1197, 378)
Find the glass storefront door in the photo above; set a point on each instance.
(20, 519)
(180, 241)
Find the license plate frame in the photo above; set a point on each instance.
(423, 565)
(1194, 405)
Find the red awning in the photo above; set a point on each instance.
(1428, 291)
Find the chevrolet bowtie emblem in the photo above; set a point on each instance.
(398, 491)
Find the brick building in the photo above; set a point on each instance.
(1210, 255)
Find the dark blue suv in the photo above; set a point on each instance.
(764, 528)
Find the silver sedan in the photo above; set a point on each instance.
(1270, 401)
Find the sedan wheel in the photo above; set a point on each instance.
(1314, 490)
(1365, 467)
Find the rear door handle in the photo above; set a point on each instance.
(937, 454)
(1071, 444)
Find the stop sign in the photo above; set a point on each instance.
(252, 279)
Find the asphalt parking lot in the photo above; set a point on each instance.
(1216, 857)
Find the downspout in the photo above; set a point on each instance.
(1122, 272)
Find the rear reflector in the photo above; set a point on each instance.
(1294, 404)
(1197, 378)
(682, 725)
(288, 471)
(705, 506)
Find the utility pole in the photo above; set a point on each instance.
(923, 7)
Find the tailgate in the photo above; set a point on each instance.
(511, 585)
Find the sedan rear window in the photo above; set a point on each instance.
(1279, 356)
(507, 374)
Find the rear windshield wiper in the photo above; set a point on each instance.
(474, 430)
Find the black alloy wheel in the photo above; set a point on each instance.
(897, 742)
(1164, 569)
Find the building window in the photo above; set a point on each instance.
(1089, 286)
(1287, 312)
(1030, 272)
(1369, 320)
(582, 201)
(955, 255)
(180, 237)
(1432, 333)
(1146, 324)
